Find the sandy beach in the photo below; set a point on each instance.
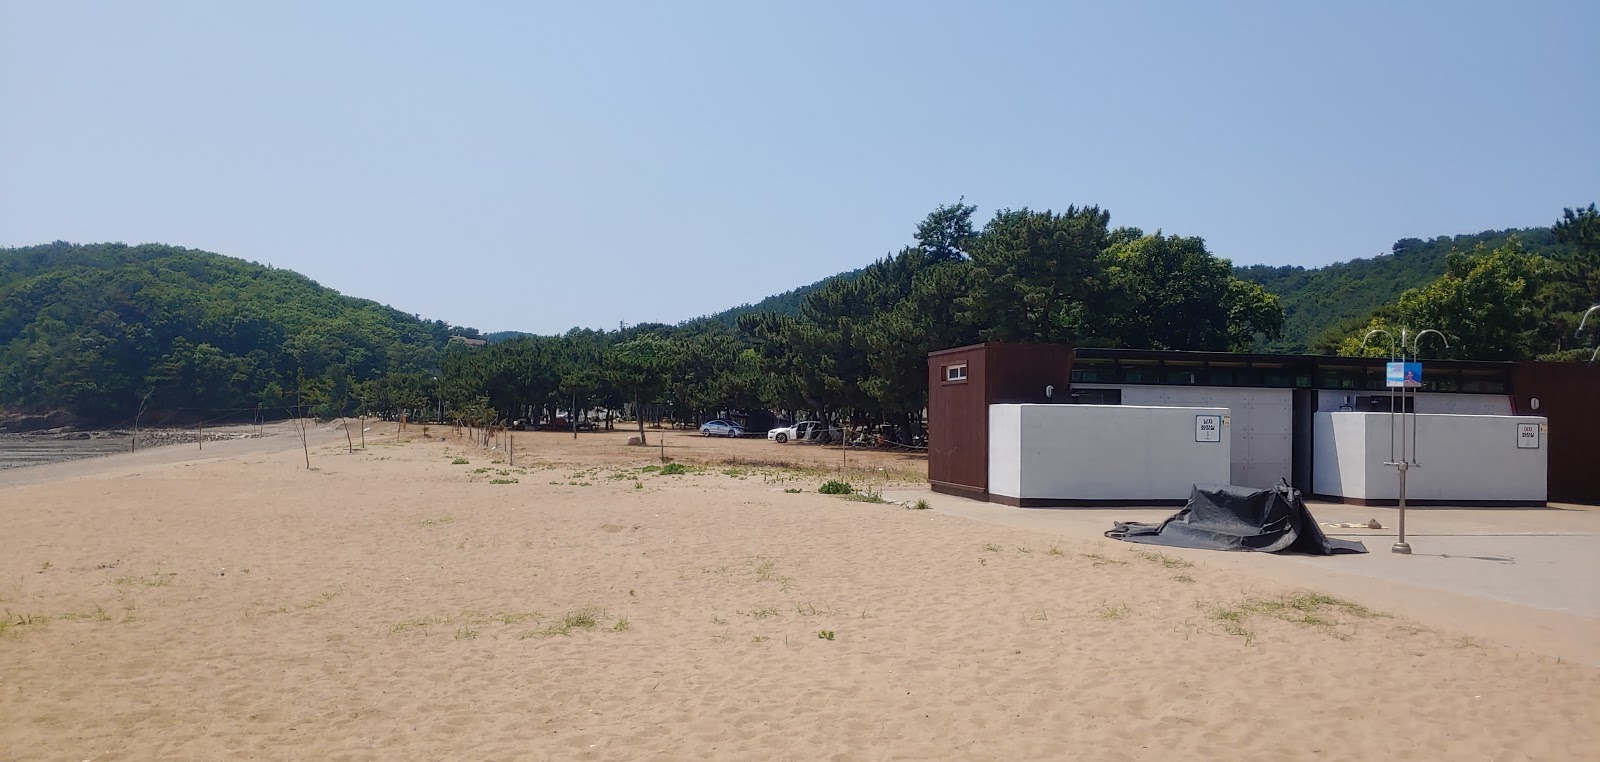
(422, 599)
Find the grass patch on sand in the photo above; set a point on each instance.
(1304, 608)
(836, 487)
(577, 619)
(435, 522)
(1113, 612)
(1100, 560)
(145, 582)
(1156, 557)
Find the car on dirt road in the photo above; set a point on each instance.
(806, 431)
(721, 428)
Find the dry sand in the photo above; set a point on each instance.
(394, 605)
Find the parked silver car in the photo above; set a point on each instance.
(721, 428)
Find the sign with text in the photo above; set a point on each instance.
(1527, 436)
(1403, 374)
(1208, 428)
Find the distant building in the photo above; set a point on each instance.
(471, 342)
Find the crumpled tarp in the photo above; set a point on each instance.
(1239, 518)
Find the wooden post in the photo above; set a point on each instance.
(200, 426)
(363, 432)
(572, 415)
(511, 448)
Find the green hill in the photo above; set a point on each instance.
(786, 303)
(93, 329)
(1316, 299)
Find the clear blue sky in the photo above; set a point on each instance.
(539, 166)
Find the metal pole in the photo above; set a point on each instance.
(1401, 546)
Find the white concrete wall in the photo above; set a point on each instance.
(1428, 402)
(1262, 423)
(1005, 449)
(1462, 457)
(1102, 452)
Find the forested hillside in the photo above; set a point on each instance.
(1318, 299)
(95, 329)
(786, 303)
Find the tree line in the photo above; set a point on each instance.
(857, 346)
(1496, 302)
(101, 330)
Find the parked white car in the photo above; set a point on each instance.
(806, 431)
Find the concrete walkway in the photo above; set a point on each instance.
(1525, 577)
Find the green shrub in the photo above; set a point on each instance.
(836, 487)
(673, 469)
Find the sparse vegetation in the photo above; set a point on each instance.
(1113, 612)
(1183, 578)
(793, 490)
(1100, 560)
(920, 505)
(674, 469)
(511, 480)
(1170, 562)
(158, 579)
(991, 547)
(825, 634)
(836, 487)
(1305, 608)
(460, 462)
(434, 522)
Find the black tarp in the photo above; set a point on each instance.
(1239, 518)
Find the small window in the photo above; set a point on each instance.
(955, 373)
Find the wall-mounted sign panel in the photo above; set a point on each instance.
(1208, 428)
(1403, 374)
(1528, 436)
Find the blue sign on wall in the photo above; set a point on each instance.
(1403, 374)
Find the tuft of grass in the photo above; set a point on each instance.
(674, 469)
(836, 487)
(622, 625)
(159, 579)
(763, 613)
(1183, 578)
(650, 469)
(638, 484)
(991, 547)
(1055, 550)
(793, 490)
(481, 470)
(512, 480)
(1171, 562)
(1113, 612)
(1467, 641)
(577, 619)
(825, 634)
(1100, 560)
(920, 505)
(1306, 608)
(865, 497)
(460, 462)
